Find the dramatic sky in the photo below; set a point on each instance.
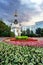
(29, 11)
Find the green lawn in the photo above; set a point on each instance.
(20, 55)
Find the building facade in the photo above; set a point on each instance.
(15, 27)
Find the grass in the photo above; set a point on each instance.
(20, 55)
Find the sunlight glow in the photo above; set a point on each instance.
(37, 1)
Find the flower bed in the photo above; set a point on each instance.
(29, 39)
(28, 42)
(12, 39)
(20, 55)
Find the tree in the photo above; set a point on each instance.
(38, 31)
(12, 34)
(23, 33)
(28, 32)
(42, 32)
(5, 30)
(31, 32)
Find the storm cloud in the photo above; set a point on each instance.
(29, 11)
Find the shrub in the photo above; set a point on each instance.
(12, 34)
(22, 37)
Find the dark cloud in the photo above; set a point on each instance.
(25, 12)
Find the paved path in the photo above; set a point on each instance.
(1, 39)
(39, 38)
